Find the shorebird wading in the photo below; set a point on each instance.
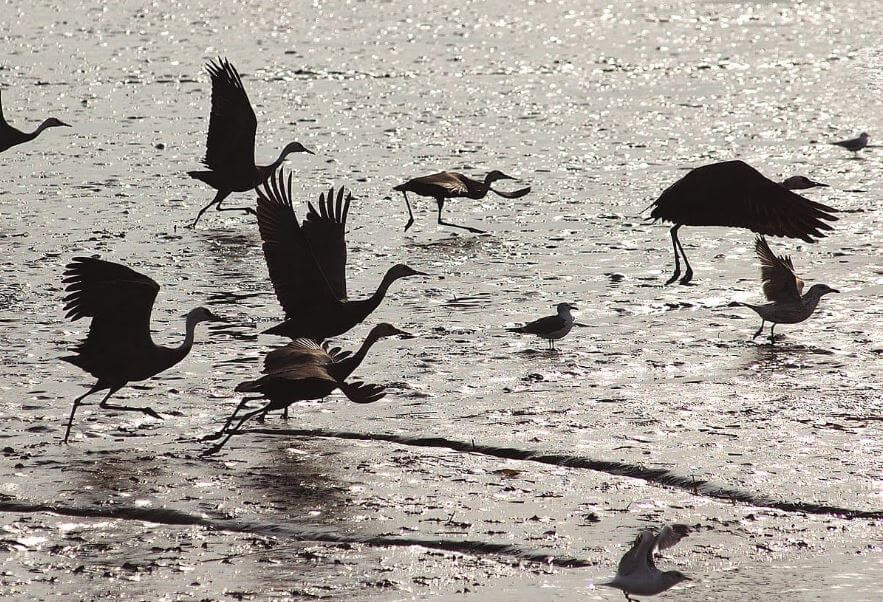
(550, 328)
(637, 574)
(854, 144)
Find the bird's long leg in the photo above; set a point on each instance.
(222, 194)
(106, 406)
(772, 336)
(216, 448)
(77, 402)
(759, 330)
(221, 432)
(674, 245)
(410, 214)
(688, 275)
(441, 204)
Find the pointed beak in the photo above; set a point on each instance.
(403, 334)
(819, 184)
(505, 177)
(573, 307)
(217, 318)
(306, 150)
(67, 125)
(834, 290)
(416, 273)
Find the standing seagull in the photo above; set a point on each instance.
(637, 574)
(550, 328)
(782, 287)
(448, 185)
(854, 144)
(229, 152)
(119, 349)
(735, 194)
(10, 136)
(307, 264)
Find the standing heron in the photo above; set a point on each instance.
(10, 136)
(448, 185)
(854, 144)
(550, 328)
(735, 194)
(783, 289)
(307, 264)
(229, 153)
(637, 574)
(119, 349)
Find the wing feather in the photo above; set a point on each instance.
(325, 231)
(232, 125)
(780, 283)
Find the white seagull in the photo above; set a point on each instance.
(637, 574)
(550, 328)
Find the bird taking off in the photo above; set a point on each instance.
(734, 194)
(10, 136)
(448, 185)
(229, 152)
(783, 289)
(854, 144)
(118, 349)
(637, 574)
(550, 328)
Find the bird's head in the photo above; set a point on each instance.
(400, 270)
(565, 308)
(52, 122)
(801, 183)
(864, 136)
(385, 329)
(496, 175)
(671, 578)
(295, 147)
(818, 290)
(201, 314)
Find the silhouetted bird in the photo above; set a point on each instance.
(637, 574)
(783, 288)
(854, 144)
(735, 194)
(10, 136)
(119, 349)
(229, 153)
(801, 183)
(550, 328)
(449, 184)
(307, 264)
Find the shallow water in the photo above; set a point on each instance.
(598, 109)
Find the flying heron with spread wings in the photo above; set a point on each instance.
(119, 349)
(10, 136)
(307, 263)
(783, 289)
(229, 152)
(736, 195)
(637, 574)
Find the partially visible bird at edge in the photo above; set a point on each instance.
(119, 349)
(448, 184)
(550, 328)
(637, 574)
(736, 195)
(10, 136)
(307, 263)
(229, 153)
(854, 144)
(783, 289)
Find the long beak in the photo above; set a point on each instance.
(217, 318)
(819, 184)
(64, 124)
(403, 334)
(834, 290)
(574, 307)
(306, 150)
(416, 273)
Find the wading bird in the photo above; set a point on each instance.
(550, 328)
(637, 574)
(448, 185)
(782, 287)
(307, 264)
(735, 194)
(801, 183)
(854, 144)
(291, 381)
(118, 349)
(229, 153)
(10, 136)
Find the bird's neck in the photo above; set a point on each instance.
(349, 365)
(366, 306)
(279, 160)
(565, 315)
(811, 300)
(189, 332)
(36, 132)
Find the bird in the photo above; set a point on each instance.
(449, 184)
(783, 289)
(550, 328)
(854, 144)
(289, 380)
(735, 194)
(637, 574)
(307, 263)
(10, 136)
(801, 183)
(119, 349)
(229, 153)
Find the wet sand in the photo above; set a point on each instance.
(661, 409)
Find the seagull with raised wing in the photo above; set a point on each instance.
(783, 289)
(854, 144)
(550, 328)
(637, 574)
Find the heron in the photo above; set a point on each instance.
(735, 194)
(229, 153)
(854, 144)
(450, 184)
(783, 289)
(550, 328)
(119, 349)
(10, 136)
(637, 574)
(307, 263)
(801, 183)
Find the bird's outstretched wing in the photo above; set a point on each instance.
(780, 283)
(297, 277)
(118, 299)
(452, 182)
(634, 559)
(325, 231)
(232, 126)
(667, 537)
(298, 352)
(336, 353)
(359, 392)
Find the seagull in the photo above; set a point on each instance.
(782, 287)
(854, 144)
(801, 183)
(637, 573)
(550, 328)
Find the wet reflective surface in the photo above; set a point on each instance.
(598, 109)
